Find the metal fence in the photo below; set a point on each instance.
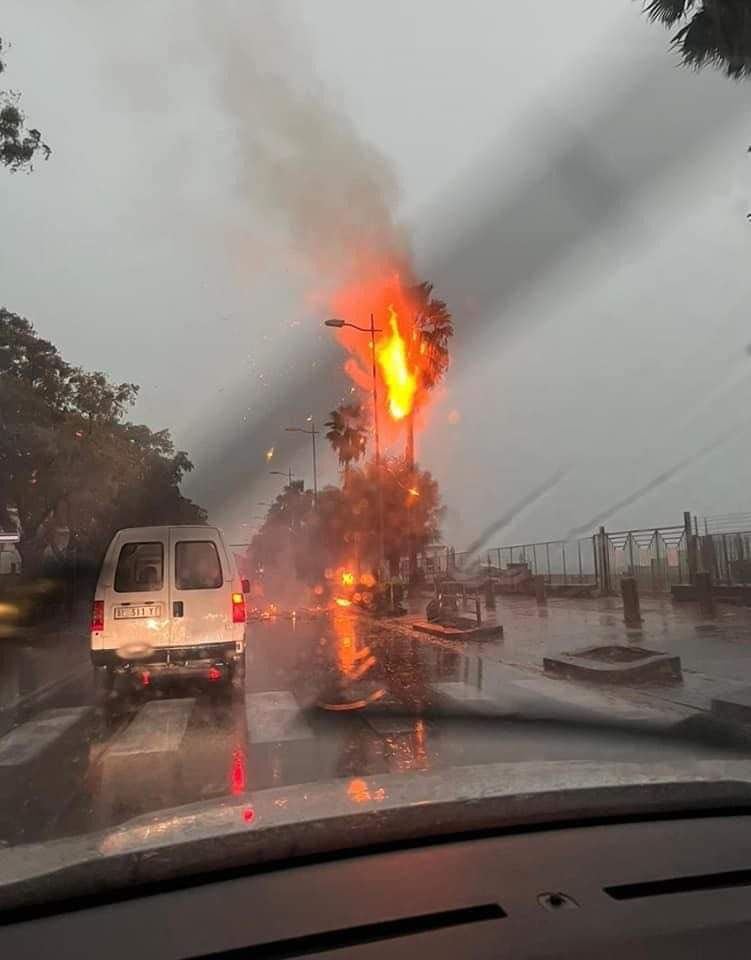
(725, 523)
(656, 557)
(559, 561)
(727, 557)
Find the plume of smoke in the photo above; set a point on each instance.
(508, 518)
(300, 159)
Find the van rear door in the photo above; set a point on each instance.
(137, 614)
(202, 588)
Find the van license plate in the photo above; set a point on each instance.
(138, 613)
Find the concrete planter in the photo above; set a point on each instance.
(615, 664)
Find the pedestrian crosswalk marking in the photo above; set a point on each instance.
(460, 692)
(274, 717)
(158, 727)
(27, 742)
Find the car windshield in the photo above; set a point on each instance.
(373, 400)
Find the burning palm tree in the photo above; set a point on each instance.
(434, 328)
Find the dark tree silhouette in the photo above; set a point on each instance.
(347, 433)
(18, 144)
(713, 33)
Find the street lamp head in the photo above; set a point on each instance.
(334, 322)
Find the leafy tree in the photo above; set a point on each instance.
(412, 509)
(299, 542)
(347, 433)
(712, 32)
(68, 456)
(18, 144)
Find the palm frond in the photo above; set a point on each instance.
(668, 12)
(718, 35)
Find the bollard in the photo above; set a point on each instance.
(630, 593)
(478, 612)
(489, 595)
(703, 583)
(540, 588)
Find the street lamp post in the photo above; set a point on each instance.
(372, 330)
(280, 473)
(312, 433)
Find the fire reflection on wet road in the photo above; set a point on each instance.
(336, 697)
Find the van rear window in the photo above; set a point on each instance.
(140, 568)
(197, 565)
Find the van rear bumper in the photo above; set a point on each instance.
(208, 651)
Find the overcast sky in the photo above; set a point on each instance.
(578, 200)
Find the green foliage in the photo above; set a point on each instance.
(344, 528)
(18, 144)
(68, 456)
(713, 32)
(411, 509)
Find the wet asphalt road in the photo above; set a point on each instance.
(338, 697)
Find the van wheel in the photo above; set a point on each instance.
(237, 672)
(104, 680)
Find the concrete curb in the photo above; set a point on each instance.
(654, 667)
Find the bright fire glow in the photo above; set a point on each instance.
(391, 353)
(343, 602)
(348, 578)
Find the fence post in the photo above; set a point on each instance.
(604, 563)
(595, 558)
(579, 546)
(563, 555)
(690, 546)
(547, 557)
(631, 609)
(704, 593)
(489, 595)
(540, 588)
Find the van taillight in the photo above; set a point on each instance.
(238, 608)
(97, 616)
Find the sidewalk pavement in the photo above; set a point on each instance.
(715, 653)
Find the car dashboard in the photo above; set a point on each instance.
(665, 887)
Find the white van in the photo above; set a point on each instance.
(168, 601)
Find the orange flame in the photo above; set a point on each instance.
(401, 383)
(398, 349)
